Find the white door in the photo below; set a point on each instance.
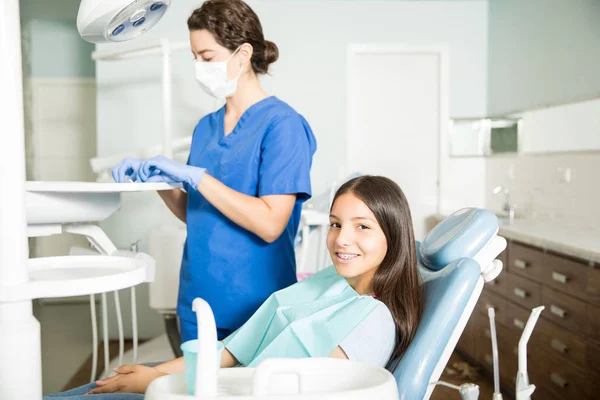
(396, 101)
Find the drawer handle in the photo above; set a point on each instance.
(488, 359)
(487, 333)
(559, 312)
(559, 346)
(492, 283)
(560, 278)
(518, 323)
(489, 305)
(558, 380)
(520, 292)
(516, 351)
(521, 264)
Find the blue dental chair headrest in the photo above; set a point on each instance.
(452, 284)
(463, 234)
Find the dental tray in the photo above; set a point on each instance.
(74, 202)
(77, 275)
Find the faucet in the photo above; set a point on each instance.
(508, 206)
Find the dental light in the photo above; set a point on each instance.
(101, 21)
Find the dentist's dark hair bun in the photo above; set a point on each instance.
(233, 23)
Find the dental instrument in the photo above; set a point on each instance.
(93, 376)
(492, 316)
(468, 391)
(524, 389)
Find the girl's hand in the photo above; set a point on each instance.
(129, 379)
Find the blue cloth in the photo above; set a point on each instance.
(269, 152)
(308, 319)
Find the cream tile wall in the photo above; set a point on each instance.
(62, 140)
(539, 189)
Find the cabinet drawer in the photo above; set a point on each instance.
(550, 338)
(593, 285)
(593, 322)
(499, 285)
(523, 291)
(564, 310)
(516, 318)
(489, 299)
(508, 338)
(593, 357)
(467, 340)
(525, 261)
(565, 275)
(594, 389)
(564, 379)
(507, 356)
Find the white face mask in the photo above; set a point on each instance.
(212, 77)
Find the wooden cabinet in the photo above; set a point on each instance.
(564, 350)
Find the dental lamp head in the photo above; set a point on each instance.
(100, 21)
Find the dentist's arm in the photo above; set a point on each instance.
(176, 201)
(265, 216)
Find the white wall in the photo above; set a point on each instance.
(58, 51)
(545, 52)
(569, 127)
(313, 36)
(542, 52)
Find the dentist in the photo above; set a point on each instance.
(246, 178)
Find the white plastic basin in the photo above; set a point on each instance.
(80, 275)
(72, 202)
(310, 378)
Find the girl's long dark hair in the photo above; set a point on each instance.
(396, 282)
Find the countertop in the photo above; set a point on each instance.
(575, 241)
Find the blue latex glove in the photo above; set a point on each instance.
(127, 167)
(163, 169)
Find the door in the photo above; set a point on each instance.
(395, 108)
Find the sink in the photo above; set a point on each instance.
(302, 379)
(504, 216)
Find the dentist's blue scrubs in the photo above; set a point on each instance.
(269, 152)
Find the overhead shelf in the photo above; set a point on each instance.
(79, 275)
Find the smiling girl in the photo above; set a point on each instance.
(366, 307)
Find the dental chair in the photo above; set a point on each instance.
(455, 259)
